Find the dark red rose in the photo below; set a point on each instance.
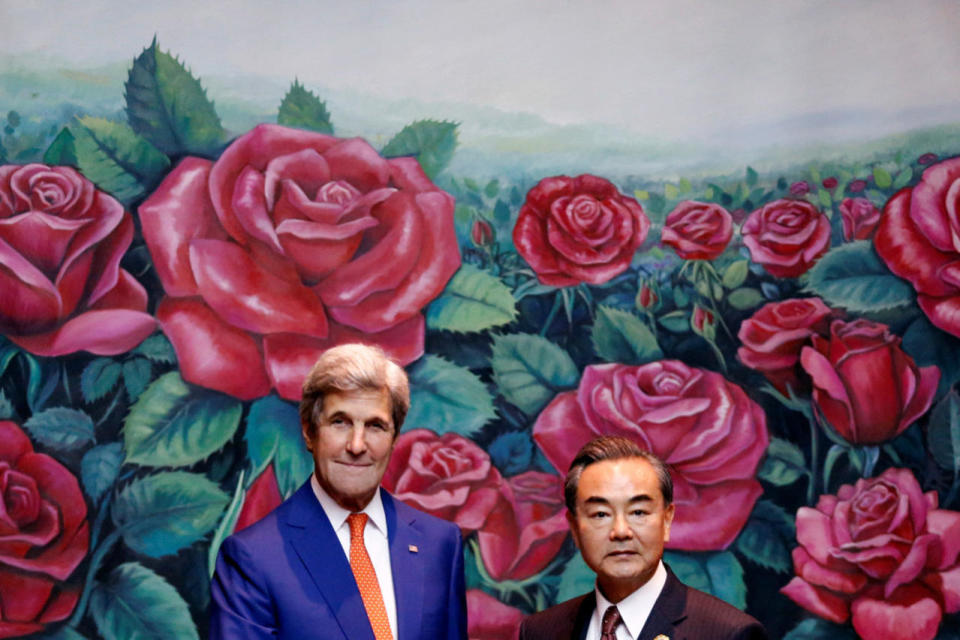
(919, 239)
(787, 236)
(705, 427)
(829, 183)
(61, 241)
(574, 230)
(490, 619)
(261, 498)
(882, 553)
(44, 535)
(927, 158)
(447, 476)
(648, 297)
(290, 243)
(857, 186)
(697, 230)
(860, 218)
(702, 322)
(773, 337)
(800, 188)
(481, 233)
(520, 541)
(867, 388)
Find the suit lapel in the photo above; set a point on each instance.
(316, 543)
(584, 612)
(668, 611)
(406, 565)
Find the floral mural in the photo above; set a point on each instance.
(788, 342)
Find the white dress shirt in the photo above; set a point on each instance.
(634, 609)
(374, 539)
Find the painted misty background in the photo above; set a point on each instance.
(754, 275)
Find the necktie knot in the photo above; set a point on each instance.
(356, 522)
(611, 620)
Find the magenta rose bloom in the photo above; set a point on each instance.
(697, 230)
(705, 427)
(860, 218)
(446, 476)
(786, 236)
(44, 535)
(573, 230)
(261, 498)
(919, 239)
(773, 337)
(61, 241)
(490, 619)
(290, 243)
(881, 552)
(867, 388)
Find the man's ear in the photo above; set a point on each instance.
(572, 522)
(305, 430)
(668, 520)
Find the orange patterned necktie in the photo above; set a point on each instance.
(367, 579)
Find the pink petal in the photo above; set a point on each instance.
(408, 175)
(817, 600)
(104, 333)
(14, 443)
(900, 618)
(250, 207)
(355, 161)
(944, 313)
(946, 525)
(716, 518)
(560, 430)
(306, 168)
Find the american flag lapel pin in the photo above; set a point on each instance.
(412, 548)
(662, 636)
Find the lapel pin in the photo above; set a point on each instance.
(413, 549)
(662, 636)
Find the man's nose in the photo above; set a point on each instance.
(357, 444)
(621, 528)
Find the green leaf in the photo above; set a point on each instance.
(99, 468)
(492, 189)
(882, 177)
(161, 514)
(719, 574)
(768, 537)
(158, 349)
(943, 432)
(135, 602)
(61, 428)
(227, 524)
(116, 159)
(445, 397)
(302, 109)
(136, 376)
(670, 192)
(903, 178)
(167, 105)
(61, 151)
(751, 177)
(818, 629)
(99, 378)
(736, 274)
(577, 578)
(784, 463)
(530, 370)
(928, 345)
(473, 300)
(63, 633)
(853, 277)
(684, 186)
(430, 141)
(675, 321)
(622, 337)
(176, 425)
(823, 197)
(273, 434)
(745, 298)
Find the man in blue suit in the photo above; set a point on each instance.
(341, 558)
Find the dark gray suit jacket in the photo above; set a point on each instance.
(680, 613)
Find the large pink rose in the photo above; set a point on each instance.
(290, 243)
(867, 388)
(786, 236)
(447, 476)
(574, 230)
(517, 542)
(773, 337)
(882, 552)
(706, 429)
(919, 239)
(697, 230)
(43, 536)
(61, 241)
(490, 619)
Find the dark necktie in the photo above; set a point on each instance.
(611, 620)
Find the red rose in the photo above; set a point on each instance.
(919, 239)
(490, 619)
(867, 388)
(574, 230)
(860, 218)
(290, 243)
(882, 552)
(43, 536)
(786, 236)
(61, 240)
(261, 498)
(520, 541)
(447, 476)
(773, 337)
(705, 427)
(697, 230)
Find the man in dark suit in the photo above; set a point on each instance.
(341, 558)
(620, 507)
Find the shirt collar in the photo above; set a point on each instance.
(636, 607)
(338, 515)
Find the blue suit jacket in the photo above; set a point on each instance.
(287, 577)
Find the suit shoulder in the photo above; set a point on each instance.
(722, 616)
(553, 622)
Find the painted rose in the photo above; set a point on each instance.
(786, 236)
(262, 497)
(490, 619)
(773, 337)
(44, 535)
(573, 230)
(447, 476)
(61, 241)
(881, 553)
(705, 427)
(697, 230)
(860, 218)
(864, 384)
(522, 540)
(292, 242)
(919, 239)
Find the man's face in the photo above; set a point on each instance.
(620, 524)
(351, 445)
